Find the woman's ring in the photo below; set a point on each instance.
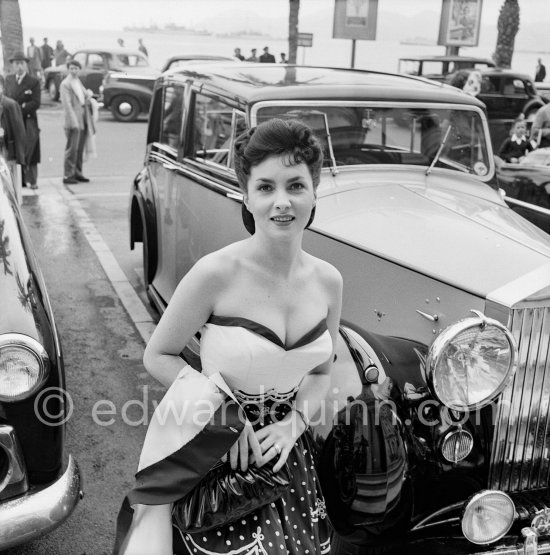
(277, 448)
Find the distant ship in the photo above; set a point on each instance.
(168, 28)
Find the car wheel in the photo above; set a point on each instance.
(53, 90)
(125, 108)
(149, 267)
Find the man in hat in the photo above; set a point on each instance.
(25, 90)
(34, 59)
(75, 100)
(12, 137)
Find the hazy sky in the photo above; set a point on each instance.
(114, 14)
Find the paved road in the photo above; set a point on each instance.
(80, 235)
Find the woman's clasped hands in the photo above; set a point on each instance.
(272, 441)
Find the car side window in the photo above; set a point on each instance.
(96, 61)
(215, 126)
(172, 112)
(81, 58)
(153, 130)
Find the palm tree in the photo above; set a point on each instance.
(508, 26)
(10, 28)
(293, 30)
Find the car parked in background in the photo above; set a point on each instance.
(39, 481)
(506, 94)
(96, 63)
(527, 186)
(181, 60)
(438, 67)
(129, 95)
(543, 89)
(438, 432)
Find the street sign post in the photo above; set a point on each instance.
(305, 40)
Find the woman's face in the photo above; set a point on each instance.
(280, 196)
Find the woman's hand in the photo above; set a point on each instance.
(278, 439)
(240, 450)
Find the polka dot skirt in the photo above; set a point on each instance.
(295, 524)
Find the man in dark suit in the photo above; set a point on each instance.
(47, 54)
(25, 90)
(12, 137)
(266, 57)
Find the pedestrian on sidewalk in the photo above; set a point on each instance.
(25, 90)
(79, 125)
(47, 54)
(35, 59)
(540, 72)
(12, 137)
(142, 48)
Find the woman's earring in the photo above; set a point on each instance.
(248, 219)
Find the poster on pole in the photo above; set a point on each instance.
(460, 22)
(355, 19)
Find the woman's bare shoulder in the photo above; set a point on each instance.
(220, 265)
(327, 273)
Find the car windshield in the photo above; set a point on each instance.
(129, 60)
(375, 134)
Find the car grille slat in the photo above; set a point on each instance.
(521, 444)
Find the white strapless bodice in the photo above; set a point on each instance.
(252, 358)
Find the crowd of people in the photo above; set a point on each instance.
(20, 98)
(265, 58)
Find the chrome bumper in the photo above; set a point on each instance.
(531, 545)
(34, 514)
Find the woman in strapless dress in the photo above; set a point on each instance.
(268, 314)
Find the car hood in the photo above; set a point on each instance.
(446, 225)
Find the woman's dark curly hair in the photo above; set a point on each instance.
(273, 138)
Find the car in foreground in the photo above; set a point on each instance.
(96, 63)
(129, 95)
(39, 480)
(436, 433)
(438, 67)
(526, 186)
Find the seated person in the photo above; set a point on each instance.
(514, 148)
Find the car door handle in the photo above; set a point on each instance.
(235, 196)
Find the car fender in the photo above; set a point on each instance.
(142, 216)
(141, 93)
(363, 457)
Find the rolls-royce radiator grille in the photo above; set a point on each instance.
(520, 459)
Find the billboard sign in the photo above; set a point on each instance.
(355, 19)
(460, 22)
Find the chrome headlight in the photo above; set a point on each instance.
(24, 366)
(487, 517)
(471, 362)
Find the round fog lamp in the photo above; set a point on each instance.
(457, 445)
(487, 517)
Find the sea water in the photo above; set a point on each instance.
(377, 55)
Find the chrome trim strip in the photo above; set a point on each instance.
(425, 522)
(532, 207)
(521, 288)
(27, 517)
